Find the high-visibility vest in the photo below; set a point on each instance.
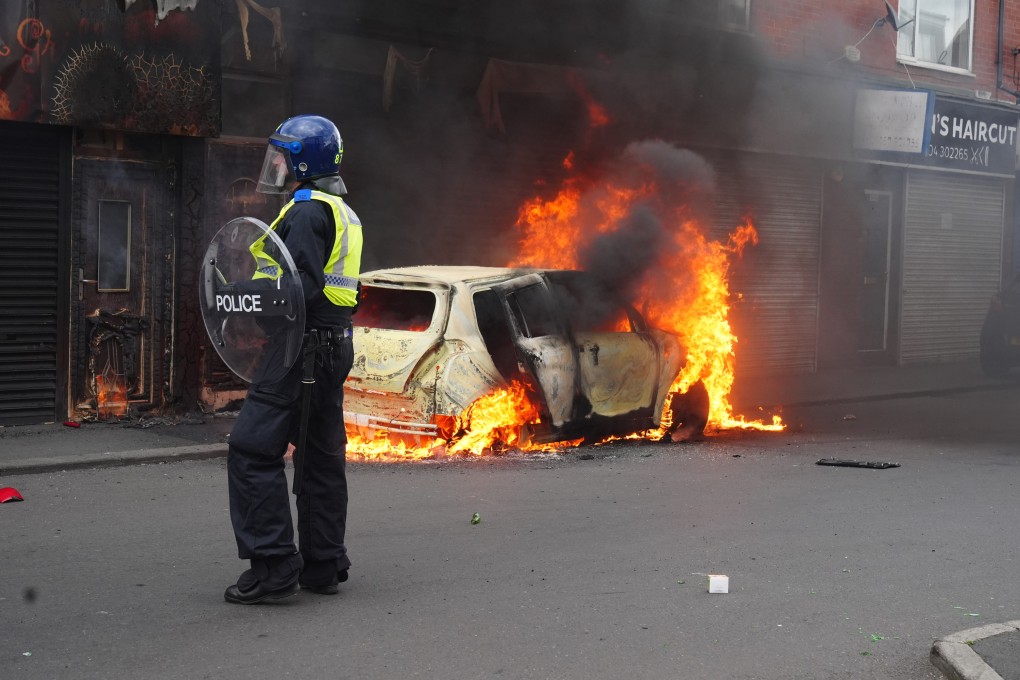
(343, 266)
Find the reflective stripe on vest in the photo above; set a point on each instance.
(343, 266)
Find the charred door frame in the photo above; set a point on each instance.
(144, 334)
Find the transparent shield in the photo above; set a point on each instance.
(253, 309)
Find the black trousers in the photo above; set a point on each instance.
(259, 496)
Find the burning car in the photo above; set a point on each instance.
(1000, 333)
(432, 340)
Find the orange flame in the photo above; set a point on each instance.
(495, 423)
(686, 293)
(111, 397)
(597, 114)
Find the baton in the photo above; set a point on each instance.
(307, 380)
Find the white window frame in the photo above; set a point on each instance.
(745, 26)
(922, 63)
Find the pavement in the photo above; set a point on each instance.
(990, 652)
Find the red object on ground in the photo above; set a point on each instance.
(71, 423)
(9, 493)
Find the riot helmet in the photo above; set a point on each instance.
(303, 148)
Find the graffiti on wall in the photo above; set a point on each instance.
(142, 68)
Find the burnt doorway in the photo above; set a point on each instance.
(122, 291)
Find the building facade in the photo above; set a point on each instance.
(890, 136)
(875, 149)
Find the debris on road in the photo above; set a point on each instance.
(718, 583)
(876, 465)
(10, 494)
(476, 518)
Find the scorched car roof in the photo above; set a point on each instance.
(448, 274)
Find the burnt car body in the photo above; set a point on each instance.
(430, 340)
(1000, 332)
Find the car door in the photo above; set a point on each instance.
(544, 348)
(619, 370)
(618, 359)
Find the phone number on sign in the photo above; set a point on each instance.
(953, 153)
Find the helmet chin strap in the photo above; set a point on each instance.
(331, 185)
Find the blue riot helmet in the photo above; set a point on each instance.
(303, 148)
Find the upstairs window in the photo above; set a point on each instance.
(733, 15)
(937, 33)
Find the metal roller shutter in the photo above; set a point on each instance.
(30, 247)
(952, 256)
(776, 320)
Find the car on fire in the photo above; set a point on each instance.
(430, 340)
(1000, 332)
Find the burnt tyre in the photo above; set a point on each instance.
(689, 413)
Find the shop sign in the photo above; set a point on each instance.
(957, 135)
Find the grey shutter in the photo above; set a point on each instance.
(952, 256)
(777, 317)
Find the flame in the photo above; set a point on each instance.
(111, 397)
(597, 114)
(495, 423)
(686, 291)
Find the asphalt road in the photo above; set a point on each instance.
(591, 564)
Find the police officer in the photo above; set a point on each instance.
(323, 236)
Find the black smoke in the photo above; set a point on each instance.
(625, 257)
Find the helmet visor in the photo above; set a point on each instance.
(275, 171)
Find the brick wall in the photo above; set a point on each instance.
(817, 31)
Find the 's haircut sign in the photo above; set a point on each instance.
(956, 135)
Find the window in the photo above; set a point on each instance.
(493, 327)
(531, 309)
(937, 33)
(727, 14)
(735, 14)
(588, 305)
(395, 309)
(114, 246)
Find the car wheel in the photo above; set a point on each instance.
(689, 412)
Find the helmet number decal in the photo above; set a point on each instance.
(336, 161)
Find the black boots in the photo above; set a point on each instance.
(331, 587)
(323, 578)
(271, 578)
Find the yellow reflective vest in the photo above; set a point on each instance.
(343, 266)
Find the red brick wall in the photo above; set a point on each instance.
(817, 31)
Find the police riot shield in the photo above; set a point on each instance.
(252, 302)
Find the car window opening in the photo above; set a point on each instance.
(395, 309)
(531, 309)
(591, 308)
(492, 326)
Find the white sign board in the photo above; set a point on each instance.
(891, 120)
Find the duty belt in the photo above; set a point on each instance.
(328, 335)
